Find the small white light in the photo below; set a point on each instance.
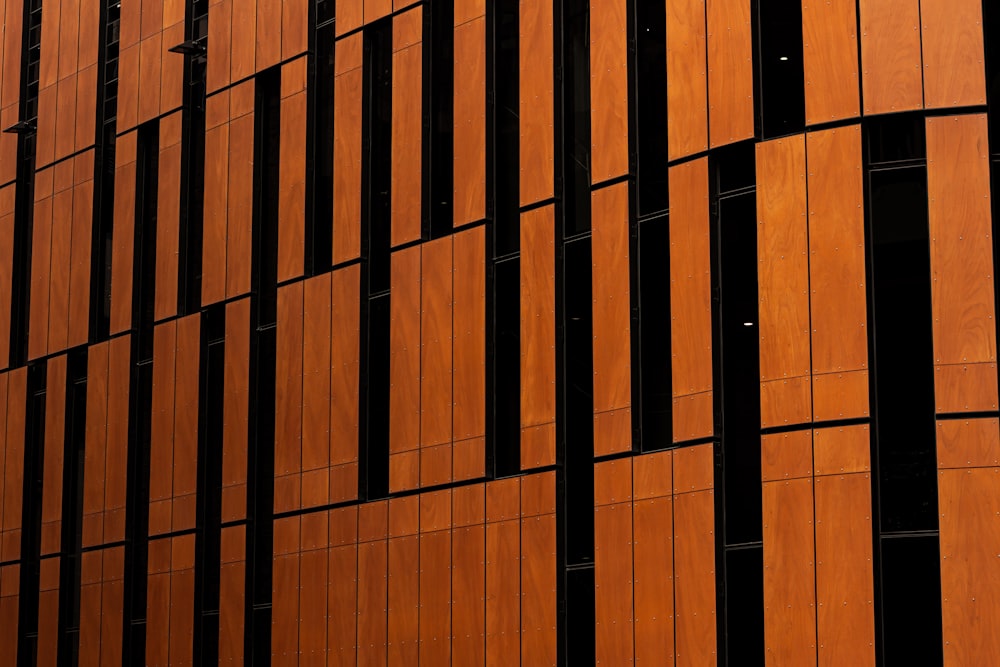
(748, 324)
(783, 58)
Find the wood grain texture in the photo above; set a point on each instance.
(536, 102)
(436, 298)
(232, 577)
(435, 593)
(294, 28)
(168, 210)
(316, 376)
(789, 573)
(292, 186)
(79, 270)
(407, 134)
(829, 54)
(235, 410)
(608, 90)
(840, 395)
(653, 557)
(470, 122)
(538, 586)
(288, 390)
(468, 585)
(345, 365)
(970, 586)
(693, 468)
(6, 267)
(730, 71)
(404, 352)
(41, 245)
(469, 334)
(347, 152)
(785, 402)
(837, 250)
(220, 17)
(613, 542)
(786, 455)
(611, 309)
(951, 41)
(239, 218)
(890, 56)
(840, 450)
(958, 193)
(694, 579)
(48, 611)
(687, 83)
(968, 443)
(13, 466)
(213, 255)
(53, 455)
(965, 387)
(844, 580)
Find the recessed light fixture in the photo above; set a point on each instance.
(748, 324)
(783, 58)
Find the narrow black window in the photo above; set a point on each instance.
(438, 94)
(506, 366)
(319, 149)
(654, 333)
(375, 357)
(744, 595)
(650, 105)
(781, 106)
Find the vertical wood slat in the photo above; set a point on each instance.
(536, 101)
(538, 569)
(829, 53)
(288, 399)
(403, 583)
(690, 301)
(468, 575)
(435, 613)
(469, 354)
(347, 149)
(236, 416)
(890, 56)
(470, 120)
(404, 369)
(614, 543)
(41, 245)
(407, 133)
(608, 90)
(53, 455)
(168, 212)
(436, 349)
(687, 84)
(6, 266)
(730, 71)
(292, 171)
(373, 575)
(12, 476)
(232, 577)
(653, 557)
(611, 320)
(345, 382)
(123, 233)
(503, 577)
(951, 42)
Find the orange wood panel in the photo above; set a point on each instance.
(232, 577)
(538, 585)
(112, 598)
(789, 574)
(213, 273)
(612, 482)
(48, 611)
(844, 584)
(95, 445)
(171, 68)
(962, 293)
(965, 387)
(470, 122)
(536, 106)
(47, 121)
(345, 369)
(342, 589)
(243, 40)
(730, 71)
(951, 40)
(41, 244)
(785, 401)
(168, 210)
(970, 541)
(373, 572)
(436, 342)
(837, 250)
(52, 461)
(694, 468)
(79, 280)
(9, 598)
(158, 603)
(150, 53)
(294, 28)
(829, 53)
(608, 90)
(404, 355)
(841, 449)
(890, 55)
(435, 578)
(403, 580)
(13, 466)
(185, 423)
(652, 475)
(220, 13)
(968, 443)
(407, 133)
(783, 272)
(116, 463)
(316, 376)
(161, 450)
(268, 35)
(316, 565)
(652, 527)
(468, 575)
(469, 334)
(786, 455)
(347, 149)
(465, 10)
(694, 579)
(235, 419)
(128, 87)
(288, 393)
(690, 301)
(65, 136)
(181, 599)
(89, 650)
(611, 315)
(613, 579)
(538, 360)
(840, 395)
(60, 257)
(6, 267)
(86, 106)
(687, 86)
(350, 15)
(503, 577)
(239, 227)
(292, 187)
(285, 592)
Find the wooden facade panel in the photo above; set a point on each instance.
(315, 619)
(690, 282)
(292, 186)
(407, 133)
(288, 390)
(469, 334)
(612, 482)
(785, 402)
(958, 191)
(730, 71)
(6, 267)
(435, 596)
(965, 387)
(786, 455)
(268, 35)
(892, 80)
(536, 105)
(694, 579)
(608, 90)
(652, 475)
(41, 245)
(652, 559)
(837, 250)
(538, 323)
(611, 314)
(840, 395)
(316, 375)
(235, 410)
(347, 153)
(168, 202)
(52, 457)
(12, 478)
(829, 53)
(161, 450)
(436, 342)
(470, 122)
(350, 15)
(9, 601)
(243, 42)
(345, 364)
(693, 417)
(294, 28)
(220, 16)
(60, 257)
(403, 599)
(789, 574)
(970, 541)
(783, 270)
(694, 468)
(95, 445)
(158, 603)
(150, 54)
(968, 443)
(213, 257)
(538, 586)
(468, 590)
(116, 463)
(239, 223)
(79, 271)
(613, 583)
(951, 40)
(687, 84)
(232, 577)
(840, 450)
(503, 593)
(48, 611)
(372, 591)
(185, 426)
(285, 609)
(844, 580)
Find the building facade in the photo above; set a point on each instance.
(455, 332)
